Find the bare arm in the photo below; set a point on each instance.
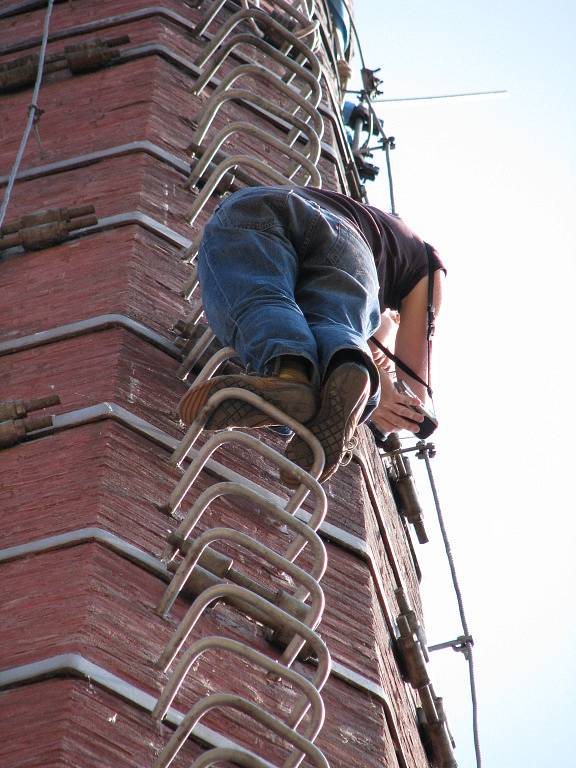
(396, 411)
(411, 342)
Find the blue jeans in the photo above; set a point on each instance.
(281, 275)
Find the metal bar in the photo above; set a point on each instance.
(224, 93)
(255, 13)
(222, 169)
(217, 700)
(77, 665)
(199, 544)
(310, 585)
(302, 161)
(79, 161)
(225, 592)
(220, 438)
(90, 325)
(209, 17)
(214, 756)
(275, 670)
(200, 346)
(218, 490)
(155, 566)
(249, 97)
(242, 127)
(257, 658)
(247, 39)
(107, 410)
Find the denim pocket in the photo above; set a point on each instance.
(250, 208)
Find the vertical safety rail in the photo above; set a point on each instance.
(287, 124)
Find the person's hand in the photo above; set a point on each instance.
(395, 410)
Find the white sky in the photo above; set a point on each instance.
(491, 184)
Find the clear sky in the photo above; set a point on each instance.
(490, 183)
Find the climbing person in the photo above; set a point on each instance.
(297, 281)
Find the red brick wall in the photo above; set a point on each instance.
(87, 599)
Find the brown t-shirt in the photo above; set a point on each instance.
(400, 255)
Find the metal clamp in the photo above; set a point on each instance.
(84, 57)
(15, 430)
(43, 229)
(17, 409)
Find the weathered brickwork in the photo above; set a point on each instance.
(89, 599)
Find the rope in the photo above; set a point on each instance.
(34, 113)
(468, 648)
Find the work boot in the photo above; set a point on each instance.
(296, 399)
(343, 398)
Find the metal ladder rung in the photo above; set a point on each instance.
(192, 654)
(239, 126)
(300, 127)
(220, 754)
(216, 700)
(309, 583)
(223, 167)
(307, 478)
(293, 67)
(256, 14)
(307, 101)
(304, 530)
(197, 350)
(225, 592)
(209, 17)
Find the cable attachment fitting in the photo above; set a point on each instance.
(425, 449)
(412, 655)
(412, 619)
(15, 430)
(370, 83)
(404, 487)
(93, 54)
(43, 229)
(18, 409)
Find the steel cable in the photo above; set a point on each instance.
(33, 113)
(468, 648)
(366, 96)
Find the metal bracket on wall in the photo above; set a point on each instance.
(404, 487)
(432, 718)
